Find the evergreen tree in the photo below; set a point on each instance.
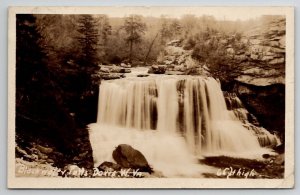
(134, 27)
(105, 29)
(39, 100)
(88, 57)
(30, 67)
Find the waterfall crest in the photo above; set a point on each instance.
(170, 118)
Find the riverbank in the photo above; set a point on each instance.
(271, 167)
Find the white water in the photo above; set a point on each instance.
(171, 120)
(166, 153)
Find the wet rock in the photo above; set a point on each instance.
(260, 81)
(128, 157)
(142, 75)
(116, 69)
(104, 70)
(170, 72)
(109, 166)
(111, 76)
(41, 155)
(20, 151)
(49, 160)
(157, 69)
(176, 43)
(277, 61)
(45, 150)
(267, 58)
(266, 156)
(84, 154)
(127, 70)
(279, 160)
(125, 65)
(180, 68)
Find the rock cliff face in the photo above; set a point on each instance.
(265, 54)
(256, 68)
(261, 84)
(249, 121)
(267, 103)
(176, 60)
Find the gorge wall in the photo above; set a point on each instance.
(261, 82)
(253, 63)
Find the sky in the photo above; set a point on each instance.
(176, 12)
(219, 13)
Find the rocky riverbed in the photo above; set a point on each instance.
(270, 167)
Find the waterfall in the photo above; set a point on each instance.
(170, 119)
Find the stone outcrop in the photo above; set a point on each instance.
(264, 56)
(235, 105)
(109, 72)
(260, 72)
(267, 103)
(128, 157)
(157, 69)
(177, 60)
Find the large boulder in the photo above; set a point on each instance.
(128, 157)
(157, 69)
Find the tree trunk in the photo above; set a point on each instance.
(130, 52)
(150, 48)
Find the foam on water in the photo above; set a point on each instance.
(172, 120)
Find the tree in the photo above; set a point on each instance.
(88, 39)
(105, 29)
(175, 28)
(29, 54)
(189, 25)
(165, 31)
(88, 57)
(170, 29)
(134, 27)
(40, 111)
(150, 48)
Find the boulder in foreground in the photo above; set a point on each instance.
(128, 157)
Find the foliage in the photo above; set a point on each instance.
(170, 29)
(57, 77)
(104, 29)
(134, 28)
(87, 58)
(39, 100)
(217, 50)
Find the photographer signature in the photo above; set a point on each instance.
(231, 172)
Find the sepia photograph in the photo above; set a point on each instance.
(151, 97)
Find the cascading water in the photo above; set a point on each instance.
(171, 120)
